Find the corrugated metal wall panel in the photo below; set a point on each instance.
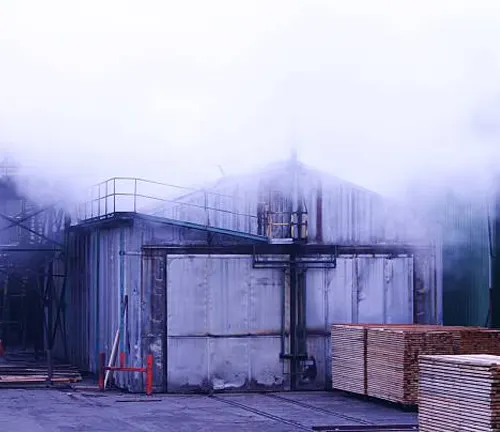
(93, 298)
(466, 262)
(358, 290)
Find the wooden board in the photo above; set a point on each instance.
(459, 392)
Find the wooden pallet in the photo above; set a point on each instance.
(459, 392)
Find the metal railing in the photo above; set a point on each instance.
(136, 195)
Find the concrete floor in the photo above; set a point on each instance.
(37, 410)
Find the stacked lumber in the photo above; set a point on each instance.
(459, 392)
(348, 355)
(349, 358)
(381, 360)
(478, 341)
(19, 370)
(392, 360)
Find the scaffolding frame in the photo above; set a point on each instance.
(32, 258)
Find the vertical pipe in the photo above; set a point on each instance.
(293, 323)
(302, 313)
(102, 364)
(283, 311)
(319, 215)
(122, 288)
(149, 375)
(50, 319)
(97, 251)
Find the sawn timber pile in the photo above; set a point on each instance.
(349, 358)
(348, 342)
(381, 360)
(392, 360)
(459, 392)
(18, 369)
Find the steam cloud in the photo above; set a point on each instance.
(387, 94)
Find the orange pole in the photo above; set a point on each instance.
(122, 359)
(149, 375)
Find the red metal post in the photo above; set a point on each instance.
(122, 359)
(149, 375)
(102, 365)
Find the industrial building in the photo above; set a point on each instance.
(232, 287)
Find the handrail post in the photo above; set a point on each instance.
(207, 217)
(114, 195)
(106, 199)
(135, 195)
(99, 200)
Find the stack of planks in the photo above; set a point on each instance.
(382, 360)
(459, 392)
(10, 374)
(478, 341)
(392, 360)
(18, 369)
(349, 358)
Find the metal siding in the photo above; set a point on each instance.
(364, 290)
(465, 259)
(222, 310)
(350, 213)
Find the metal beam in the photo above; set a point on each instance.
(25, 218)
(14, 248)
(17, 223)
(285, 249)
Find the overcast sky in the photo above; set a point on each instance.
(374, 91)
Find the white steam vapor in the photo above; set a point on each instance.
(382, 93)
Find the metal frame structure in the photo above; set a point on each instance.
(30, 260)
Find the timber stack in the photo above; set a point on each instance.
(382, 360)
(459, 392)
(349, 358)
(20, 369)
(392, 360)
